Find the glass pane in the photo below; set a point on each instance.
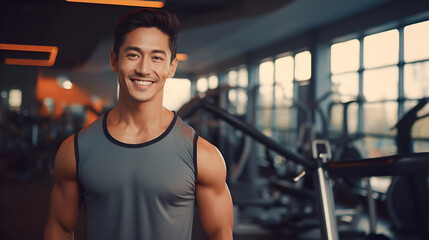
(293, 123)
(279, 94)
(266, 73)
(380, 84)
(345, 56)
(284, 70)
(352, 118)
(303, 66)
(424, 111)
(408, 104)
(265, 96)
(241, 101)
(416, 80)
(263, 119)
(232, 78)
(15, 98)
(346, 85)
(177, 91)
(232, 96)
(421, 146)
(213, 82)
(284, 117)
(202, 85)
(421, 129)
(243, 77)
(381, 49)
(379, 118)
(377, 147)
(416, 39)
(288, 90)
(336, 117)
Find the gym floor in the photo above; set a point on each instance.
(24, 210)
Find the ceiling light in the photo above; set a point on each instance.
(134, 3)
(67, 84)
(64, 82)
(52, 50)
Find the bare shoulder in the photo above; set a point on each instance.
(211, 165)
(65, 161)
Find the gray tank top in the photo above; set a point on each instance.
(137, 191)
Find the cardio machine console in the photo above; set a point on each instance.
(321, 150)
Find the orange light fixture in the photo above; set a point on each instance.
(182, 56)
(134, 3)
(52, 50)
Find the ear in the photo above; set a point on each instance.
(173, 66)
(113, 61)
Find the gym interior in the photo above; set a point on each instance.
(318, 107)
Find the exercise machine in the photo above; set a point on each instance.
(325, 170)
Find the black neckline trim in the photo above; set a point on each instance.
(136, 145)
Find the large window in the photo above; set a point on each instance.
(416, 78)
(206, 83)
(213, 81)
(388, 71)
(238, 80)
(177, 92)
(276, 114)
(15, 99)
(202, 85)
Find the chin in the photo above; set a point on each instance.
(140, 97)
(141, 100)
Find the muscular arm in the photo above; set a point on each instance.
(213, 197)
(64, 203)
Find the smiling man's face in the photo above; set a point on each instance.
(143, 64)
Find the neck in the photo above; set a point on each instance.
(141, 115)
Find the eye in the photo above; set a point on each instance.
(158, 58)
(132, 55)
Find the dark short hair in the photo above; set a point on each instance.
(166, 22)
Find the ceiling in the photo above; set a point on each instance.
(78, 28)
(212, 30)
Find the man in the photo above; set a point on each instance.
(139, 169)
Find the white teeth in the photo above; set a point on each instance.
(146, 83)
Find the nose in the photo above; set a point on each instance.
(144, 66)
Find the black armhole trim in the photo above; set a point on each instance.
(195, 157)
(76, 154)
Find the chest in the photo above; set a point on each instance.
(146, 171)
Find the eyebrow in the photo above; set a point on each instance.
(131, 48)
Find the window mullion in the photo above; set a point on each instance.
(401, 72)
(274, 113)
(360, 94)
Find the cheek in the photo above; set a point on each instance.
(125, 66)
(125, 71)
(165, 71)
(122, 78)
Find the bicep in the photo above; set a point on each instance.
(213, 196)
(64, 202)
(215, 210)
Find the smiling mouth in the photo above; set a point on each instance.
(142, 82)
